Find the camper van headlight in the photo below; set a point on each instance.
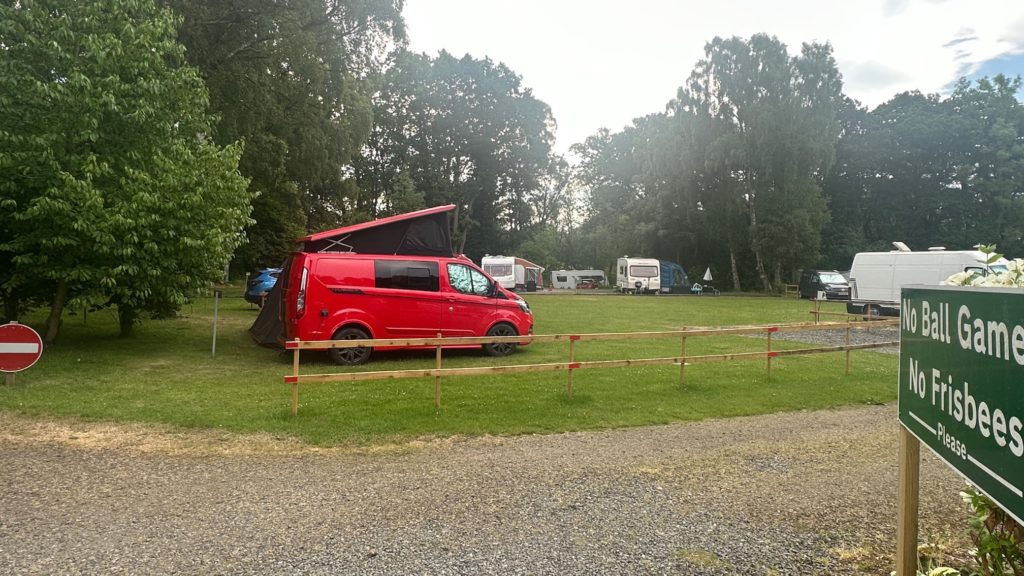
(523, 305)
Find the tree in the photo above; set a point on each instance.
(929, 171)
(616, 207)
(465, 132)
(988, 164)
(294, 80)
(110, 189)
(777, 129)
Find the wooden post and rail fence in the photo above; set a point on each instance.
(438, 372)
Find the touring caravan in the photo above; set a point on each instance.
(876, 277)
(571, 279)
(513, 273)
(637, 275)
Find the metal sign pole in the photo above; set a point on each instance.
(216, 301)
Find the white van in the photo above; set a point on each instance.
(638, 275)
(876, 277)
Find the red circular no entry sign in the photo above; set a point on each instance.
(20, 347)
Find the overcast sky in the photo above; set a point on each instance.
(601, 63)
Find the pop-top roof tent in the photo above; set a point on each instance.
(422, 233)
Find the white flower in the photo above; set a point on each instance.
(958, 279)
(1014, 278)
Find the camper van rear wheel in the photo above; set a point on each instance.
(501, 348)
(871, 312)
(350, 356)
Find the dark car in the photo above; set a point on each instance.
(260, 284)
(831, 282)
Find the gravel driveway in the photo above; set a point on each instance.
(796, 493)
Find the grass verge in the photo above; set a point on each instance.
(166, 374)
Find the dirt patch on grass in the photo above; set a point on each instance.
(160, 439)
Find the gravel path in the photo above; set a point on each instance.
(837, 337)
(797, 493)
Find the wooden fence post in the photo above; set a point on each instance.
(295, 384)
(437, 379)
(682, 363)
(572, 359)
(847, 343)
(770, 330)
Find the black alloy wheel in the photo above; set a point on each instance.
(501, 348)
(350, 356)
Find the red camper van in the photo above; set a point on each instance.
(394, 278)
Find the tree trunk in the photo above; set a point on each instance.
(126, 316)
(735, 270)
(56, 310)
(757, 251)
(10, 307)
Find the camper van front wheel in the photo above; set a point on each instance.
(350, 356)
(871, 312)
(501, 348)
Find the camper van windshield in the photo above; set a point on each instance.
(643, 271)
(496, 270)
(998, 268)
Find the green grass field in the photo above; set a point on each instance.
(165, 374)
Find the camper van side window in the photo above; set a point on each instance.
(467, 280)
(406, 275)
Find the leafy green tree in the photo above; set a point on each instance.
(110, 189)
(929, 171)
(295, 81)
(988, 164)
(466, 132)
(778, 127)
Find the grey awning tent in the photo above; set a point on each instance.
(267, 330)
(421, 233)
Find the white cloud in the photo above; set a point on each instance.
(601, 63)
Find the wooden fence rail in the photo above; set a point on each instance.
(817, 313)
(682, 360)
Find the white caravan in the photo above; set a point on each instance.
(637, 275)
(876, 277)
(571, 279)
(513, 273)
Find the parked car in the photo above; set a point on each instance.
(831, 282)
(260, 284)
